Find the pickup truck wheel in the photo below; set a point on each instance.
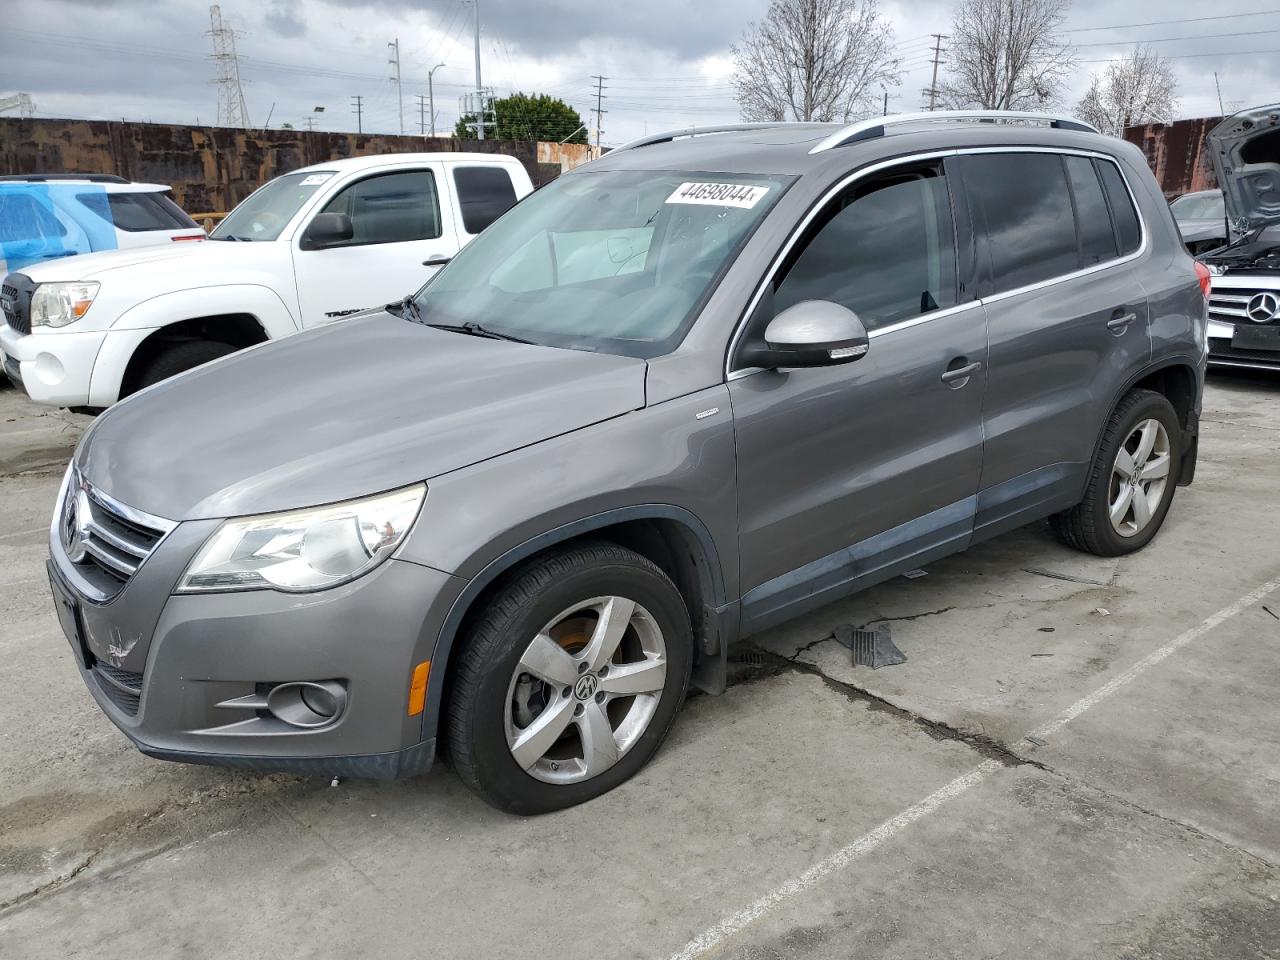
(179, 357)
(1132, 481)
(569, 679)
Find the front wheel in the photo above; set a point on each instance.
(569, 679)
(179, 357)
(1132, 481)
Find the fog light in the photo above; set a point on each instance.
(306, 704)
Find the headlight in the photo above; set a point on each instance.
(303, 550)
(57, 304)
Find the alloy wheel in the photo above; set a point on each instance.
(1139, 478)
(585, 689)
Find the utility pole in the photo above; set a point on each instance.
(422, 114)
(431, 95)
(394, 60)
(357, 102)
(311, 124)
(937, 54)
(479, 85)
(600, 89)
(1222, 111)
(232, 111)
(885, 112)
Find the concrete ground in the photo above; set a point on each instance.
(1083, 767)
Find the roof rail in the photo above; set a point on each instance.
(877, 126)
(699, 131)
(48, 177)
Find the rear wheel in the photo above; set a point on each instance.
(179, 357)
(569, 680)
(1132, 481)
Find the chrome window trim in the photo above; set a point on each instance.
(740, 328)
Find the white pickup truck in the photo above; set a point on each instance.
(305, 249)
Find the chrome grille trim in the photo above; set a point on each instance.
(1230, 304)
(102, 540)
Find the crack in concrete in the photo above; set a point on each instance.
(987, 747)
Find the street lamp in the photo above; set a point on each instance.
(431, 96)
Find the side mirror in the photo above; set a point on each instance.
(327, 230)
(812, 333)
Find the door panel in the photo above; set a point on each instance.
(399, 222)
(828, 458)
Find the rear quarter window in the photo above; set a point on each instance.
(1128, 230)
(484, 194)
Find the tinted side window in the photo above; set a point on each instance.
(1127, 230)
(886, 250)
(485, 194)
(23, 218)
(1023, 200)
(137, 212)
(391, 208)
(1097, 238)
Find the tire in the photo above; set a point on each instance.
(1088, 526)
(495, 705)
(179, 358)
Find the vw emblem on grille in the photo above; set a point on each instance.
(75, 525)
(586, 686)
(1263, 307)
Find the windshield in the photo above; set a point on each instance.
(614, 261)
(269, 209)
(1199, 206)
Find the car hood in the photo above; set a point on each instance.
(197, 254)
(1245, 150)
(363, 405)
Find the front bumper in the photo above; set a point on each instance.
(1223, 353)
(53, 368)
(203, 669)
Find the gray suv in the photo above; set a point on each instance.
(708, 382)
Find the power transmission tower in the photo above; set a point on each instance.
(21, 102)
(395, 75)
(232, 111)
(357, 103)
(600, 89)
(937, 55)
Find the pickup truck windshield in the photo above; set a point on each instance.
(615, 261)
(266, 211)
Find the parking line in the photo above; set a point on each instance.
(715, 936)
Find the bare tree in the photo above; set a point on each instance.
(814, 60)
(1006, 55)
(1139, 88)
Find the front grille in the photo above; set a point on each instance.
(106, 541)
(122, 688)
(15, 302)
(1231, 305)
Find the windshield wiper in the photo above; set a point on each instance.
(406, 309)
(473, 329)
(231, 236)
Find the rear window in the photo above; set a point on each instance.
(484, 194)
(137, 212)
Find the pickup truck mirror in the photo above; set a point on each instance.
(327, 230)
(812, 333)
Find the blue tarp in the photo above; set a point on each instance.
(42, 221)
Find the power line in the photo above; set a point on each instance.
(1160, 23)
(1216, 53)
(1205, 36)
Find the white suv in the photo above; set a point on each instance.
(53, 215)
(307, 248)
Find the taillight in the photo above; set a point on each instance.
(1202, 272)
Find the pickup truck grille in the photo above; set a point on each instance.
(15, 302)
(1233, 305)
(106, 541)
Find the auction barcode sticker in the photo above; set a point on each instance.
(742, 195)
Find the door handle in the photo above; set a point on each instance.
(438, 260)
(958, 375)
(1120, 321)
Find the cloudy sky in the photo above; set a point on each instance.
(667, 61)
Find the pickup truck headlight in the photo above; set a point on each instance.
(304, 550)
(57, 304)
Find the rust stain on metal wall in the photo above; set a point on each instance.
(1177, 153)
(214, 168)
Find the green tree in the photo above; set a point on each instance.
(524, 116)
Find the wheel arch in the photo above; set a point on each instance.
(1177, 379)
(237, 330)
(672, 537)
